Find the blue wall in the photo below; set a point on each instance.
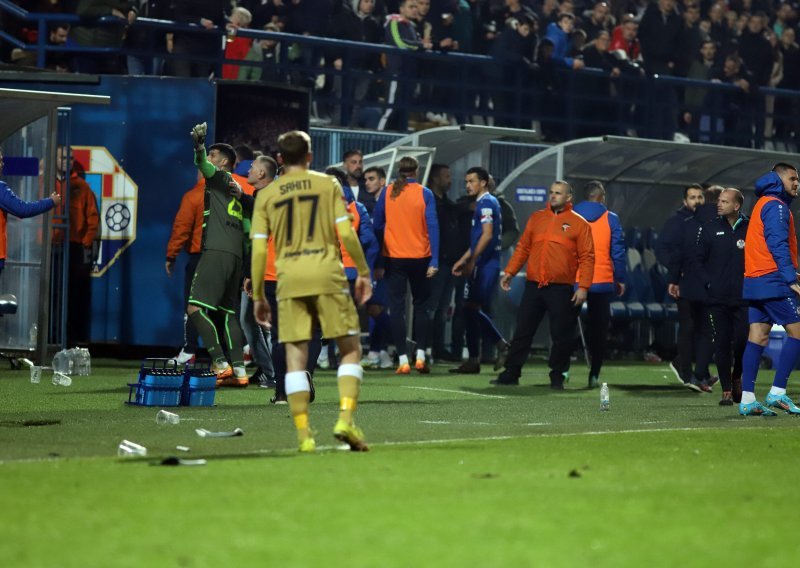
(146, 128)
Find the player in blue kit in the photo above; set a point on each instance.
(482, 263)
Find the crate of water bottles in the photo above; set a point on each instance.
(199, 385)
(160, 384)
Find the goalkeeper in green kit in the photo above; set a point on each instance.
(216, 286)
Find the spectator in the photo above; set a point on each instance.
(149, 44)
(556, 244)
(198, 50)
(102, 35)
(720, 32)
(83, 227)
(266, 54)
(660, 32)
(405, 215)
(697, 113)
(720, 259)
(511, 53)
(401, 32)
(608, 278)
(783, 17)
(670, 253)
(559, 35)
(771, 287)
(236, 47)
(10, 203)
(355, 23)
(624, 41)
(691, 38)
(598, 21)
(735, 107)
(787, 109)
(57, 60)
(438, 30)
(756, 51)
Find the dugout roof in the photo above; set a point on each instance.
(19, 107)
(644, 178)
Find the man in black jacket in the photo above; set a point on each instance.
(207, 14)
(670, 252)
(720, 261)
(660, 35)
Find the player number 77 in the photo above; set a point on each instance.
(289, 204)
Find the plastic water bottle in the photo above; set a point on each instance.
(62, 362)
(604, 401)
(82, 362)
(87, 361)
(33, 335)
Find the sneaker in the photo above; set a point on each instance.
(727, 399)
(712, 380)
(184, 358)
(557, 383)
(754, 409)
(279, 399)
(467, 368)
(698, 386)
(506, 378)
(422, 367)
(233, 381)
(370, 362)
(503, 347)
(594, 382)
(223, 374)
(677, 374)
(403, 369)
(783, 402)
(258, 377)
(385, 360)
(351, 435)
(307, 446)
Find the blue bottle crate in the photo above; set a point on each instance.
(199, 385)
(160, 384)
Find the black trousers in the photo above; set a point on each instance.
(442, 286)
(694, 339)
(555, 301)
(190, 335)
(277, 349)
(401, 273)
(729, 328)
(598, 318)
(79, 296)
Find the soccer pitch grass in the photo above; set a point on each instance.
(459, 474)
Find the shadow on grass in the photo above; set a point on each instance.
(118, 390)
(521, 390)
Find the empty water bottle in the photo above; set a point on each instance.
(33, 335)
(62, 362)
(604, 400)
(81, 362)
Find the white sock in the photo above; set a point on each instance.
(420, 354)
(777, 391)
(404, 359)
(748, 397)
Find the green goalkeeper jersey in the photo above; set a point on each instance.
(223, 214)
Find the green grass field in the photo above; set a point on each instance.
(460, 474)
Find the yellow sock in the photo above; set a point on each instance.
(298, 405)
(349, 386)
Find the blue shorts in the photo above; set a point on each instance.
(378, 293)
(779, 311)
(480, 289)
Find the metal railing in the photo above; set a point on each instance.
(408, 85)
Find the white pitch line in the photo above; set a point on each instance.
(454, 391)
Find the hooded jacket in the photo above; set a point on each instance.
(561, 45)
(555, 245)
(771, 228)
(609, 261)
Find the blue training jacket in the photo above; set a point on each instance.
(561, 45)
(366, 235)
(10, 203)
(775, 216)
(592, 211)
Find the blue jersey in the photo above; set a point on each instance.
(487, 210)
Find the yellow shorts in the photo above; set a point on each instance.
(336, 314)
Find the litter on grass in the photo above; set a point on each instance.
(203, 433)
(172, 460)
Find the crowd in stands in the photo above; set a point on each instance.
(746, 43)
